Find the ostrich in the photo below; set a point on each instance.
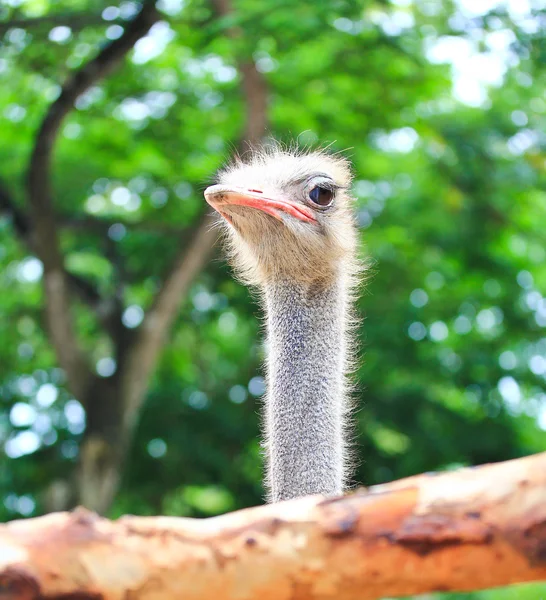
(290, 231)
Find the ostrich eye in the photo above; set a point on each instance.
(321, 196)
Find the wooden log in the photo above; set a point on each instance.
(469, 529)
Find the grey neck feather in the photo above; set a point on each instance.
(305, 403)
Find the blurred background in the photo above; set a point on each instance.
(130, 360)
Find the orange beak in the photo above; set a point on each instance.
(219, 196)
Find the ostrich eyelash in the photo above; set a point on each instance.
(322, 181)
(330, 185)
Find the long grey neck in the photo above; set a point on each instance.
(305, 403)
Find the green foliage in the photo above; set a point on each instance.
(450, 198)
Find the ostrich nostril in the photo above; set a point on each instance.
(256, 191)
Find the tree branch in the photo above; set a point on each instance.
(255, 93)
(19, 219)
(254, 86)
(45, 236)
(145, 351)
(80, 287)
(143, 356)
(23, 228)
(464, 530)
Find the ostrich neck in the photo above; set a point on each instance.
(305, 398)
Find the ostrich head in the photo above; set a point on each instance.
(288, 215)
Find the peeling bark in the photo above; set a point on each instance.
(470, 529)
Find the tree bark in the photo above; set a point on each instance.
(104, 446)
(465, 530)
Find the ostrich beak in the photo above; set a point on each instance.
(220, 196)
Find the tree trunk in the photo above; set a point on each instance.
(112, 404)
(104, 447)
